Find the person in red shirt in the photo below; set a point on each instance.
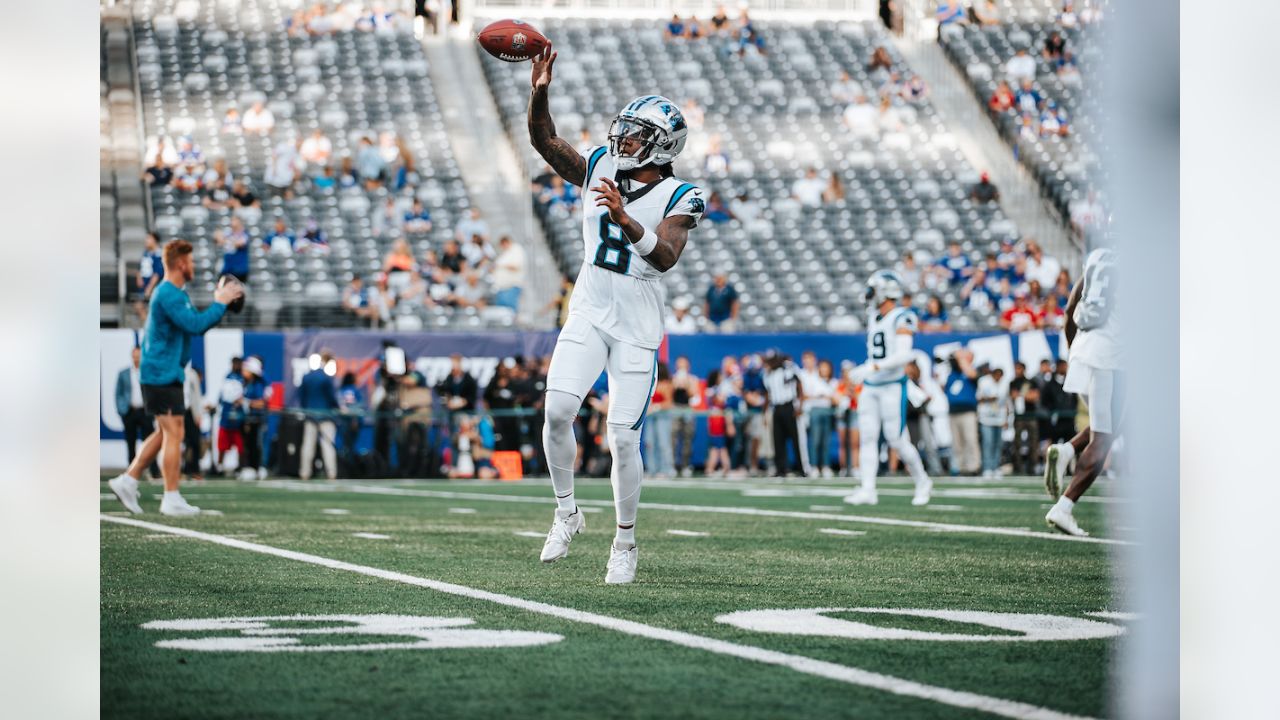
(1022, 316)
(1002, 99)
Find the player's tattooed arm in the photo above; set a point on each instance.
(672, 233)
(559, 154)
(1070, 329)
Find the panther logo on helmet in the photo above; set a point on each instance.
(659, 126)
(882, 286)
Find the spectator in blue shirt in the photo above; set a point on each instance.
(166, 350)
(256, 395)
(674, 29)
(235, 250)
(722, 304)
(351, 407)
(957, 264)
(318, 399)
(417, 220)
(934, 318)
(962, 395)
(1027, 99)
(280, 241)
(150, 273)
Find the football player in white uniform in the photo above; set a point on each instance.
(1093, 366)
(636, 218)
(882, 406)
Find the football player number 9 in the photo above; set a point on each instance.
(614, 251)
(878, 348)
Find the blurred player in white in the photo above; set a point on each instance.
(636, 219)
(882, 406)
(1093, 367)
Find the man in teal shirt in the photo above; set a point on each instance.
(166, 350)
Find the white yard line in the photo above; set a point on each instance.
(688, 533)
(809, 666)
(371, 536)
(758, 512)
(845, 533)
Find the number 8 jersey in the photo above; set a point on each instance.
(617, 290)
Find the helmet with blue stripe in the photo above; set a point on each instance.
(884, 285)
(659, 126)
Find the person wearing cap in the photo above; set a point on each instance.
(256, 394)
(680, 321)
(984, 191)
(318, 399)
(1022, 316)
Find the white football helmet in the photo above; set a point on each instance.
(884, 285)
(657, 123)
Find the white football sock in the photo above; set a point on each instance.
(910, 457)
(560, 446)
(628, 471)
(172, 495)
(625, 536)
(869, 460)
(1065, 504)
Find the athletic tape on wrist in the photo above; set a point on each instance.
(646, 244)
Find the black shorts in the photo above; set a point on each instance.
(163, 399)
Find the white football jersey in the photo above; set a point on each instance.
(617, 289)
(1097, 343)
(882, 338)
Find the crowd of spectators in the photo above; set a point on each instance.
(967, 418)
(734, 37)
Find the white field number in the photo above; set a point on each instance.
(1025, 628)
(264, 634)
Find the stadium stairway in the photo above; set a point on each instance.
(982, 145)
(123, 212)
(490, 165)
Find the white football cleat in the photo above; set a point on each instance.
(248, 474)
(1064, 522)
(262, 473)
(622, 565)
(126, 489)
(862, 496)
(1055, 471)
(923, 492)
(177, 507)
(561, 534)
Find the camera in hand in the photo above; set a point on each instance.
(238, 304)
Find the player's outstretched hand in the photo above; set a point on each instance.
(611, 198)
(542, 68)
(228, 292)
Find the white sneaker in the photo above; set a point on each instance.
(998, 474)
(622, 565)
(862, 496)
(126, 489)
(826, 472)
(1064, 522)
(687, 472)
(177, 507)
(561, 534)
(262, 473)
(248, 474)
(813, 473)
(923, 491)
(1055, 471)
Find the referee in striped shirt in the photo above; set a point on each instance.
(782, 383)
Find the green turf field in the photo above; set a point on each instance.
(468, 551)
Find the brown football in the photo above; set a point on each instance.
(512, 40)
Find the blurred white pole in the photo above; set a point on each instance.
(1142, 123)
